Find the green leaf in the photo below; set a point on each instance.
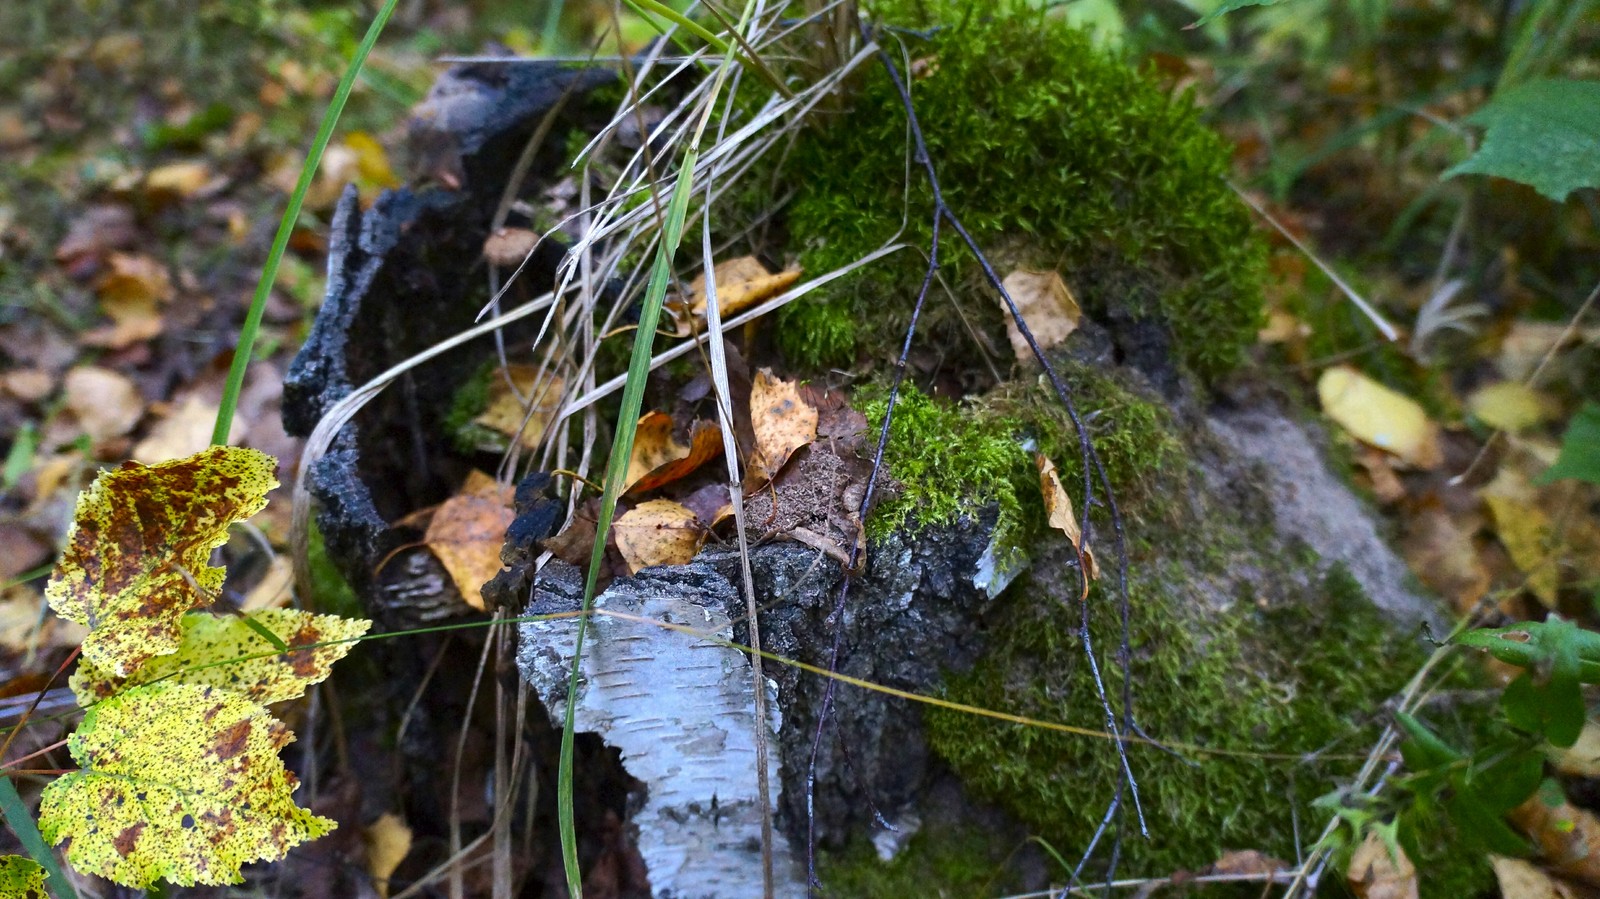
(1423, 749)
(1228, 6)
(21, 878)
(1506, 783)
(179, 781)
(27, 833)
(1545, 134)
(1564, 695)
(1523, 705)
(138, 552)
(1580, 449)
(225, 651)
(1482, 826)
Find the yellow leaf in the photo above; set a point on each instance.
(1058, 509)
(372, 163)
(1509, 406)
(506, 412)
(388, 842)
(22, 878)
(208, 639)
(180, 179)
(782, 420)
(138, 552)
(741, 283)
(180, 782)
(466, 533)
(1372, 413)
(658, 458)
(1525, 529)
(1045, 303)
(657, 532)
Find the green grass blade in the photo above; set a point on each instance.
(616, 472)
(291, 215)
(22, 824)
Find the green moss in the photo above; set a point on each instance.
(331, 594)
(470, 401)
(1045, 144)
(938, 862)
(1304, 678)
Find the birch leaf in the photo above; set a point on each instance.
(180, 782)
(782, 420)
(657, 532)
(217, 638)
(1372, 413)
(1058, 509)
(138, 551)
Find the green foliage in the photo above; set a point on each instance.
(21, 878)
(1044, 143)
(1580, 449)
(179, 781)
(1545, 134)
(940, 861)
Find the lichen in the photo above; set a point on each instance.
(1043, 141)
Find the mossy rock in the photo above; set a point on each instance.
(1056, 154)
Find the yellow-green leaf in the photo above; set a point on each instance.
(21, 878)
(138, 550)
(209, 639)
(179, 782)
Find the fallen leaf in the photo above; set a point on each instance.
(275, 587)
(372, 161)
(657, 532)
(180, 782)
(1379, 465)
(388, 841)
(1568, 837)
(179, 180)
(95, 232)
(1521, 879)
(1283, 328)
(1524, 527)
(1581, 759)
(711, 504)
(22, 548)
(1379, 869)
(466, 532)
(1580, 449)
(105, 403)
(1248, 861)
(134, 276)
(1441, 554)
(658, 458)
(741, 283)
(26, 626)
(1046, 304)
(1528, 343)
(782, 420)
(28, 384)
(506, 413)
(508, 247)
(209, 639)
(1058, 508)
(1374, 414)
(1509, 406)
(133, 598)
(184, 431)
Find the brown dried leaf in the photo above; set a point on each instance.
(1379, 870)
(505, 412)
(105, 403)
(783, 422)
(657, 532)
(1568, 837)
(741, 283)
(179, 180)
(1046, 304)
(658, 458)
(1521, 879)
(185, 431)
(466, 532)
(1058, 506)
(1247, 861)
(1441, 554)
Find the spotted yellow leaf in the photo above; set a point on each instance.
(211, 639)
(138, 551)
(180, 782)
(21, 878)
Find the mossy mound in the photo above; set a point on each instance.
(1056, 154)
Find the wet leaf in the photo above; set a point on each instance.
(466, 533)
(1543, 133)
(507, 412)
(21, 878)
(657, 532)
(782, 420)
(1049, 308)
(137, 553)
(658, 458)
(180, 782)
(211, 638)
(1374, 414)
(388, 841)
(1058, 508)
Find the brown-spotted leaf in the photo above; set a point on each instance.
(209, 639)
(657, 532)
(22, 878)
(137, 553)
(466, 533)
(180, 782)
(782, 420)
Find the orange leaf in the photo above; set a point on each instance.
(782, 420)
(1058, 506)
(657, 532)
(658, 458)
(466, 533)
(138, 552)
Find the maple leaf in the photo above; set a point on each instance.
(138, 550)
(21, 878)
(208, 639)
(179, 781)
